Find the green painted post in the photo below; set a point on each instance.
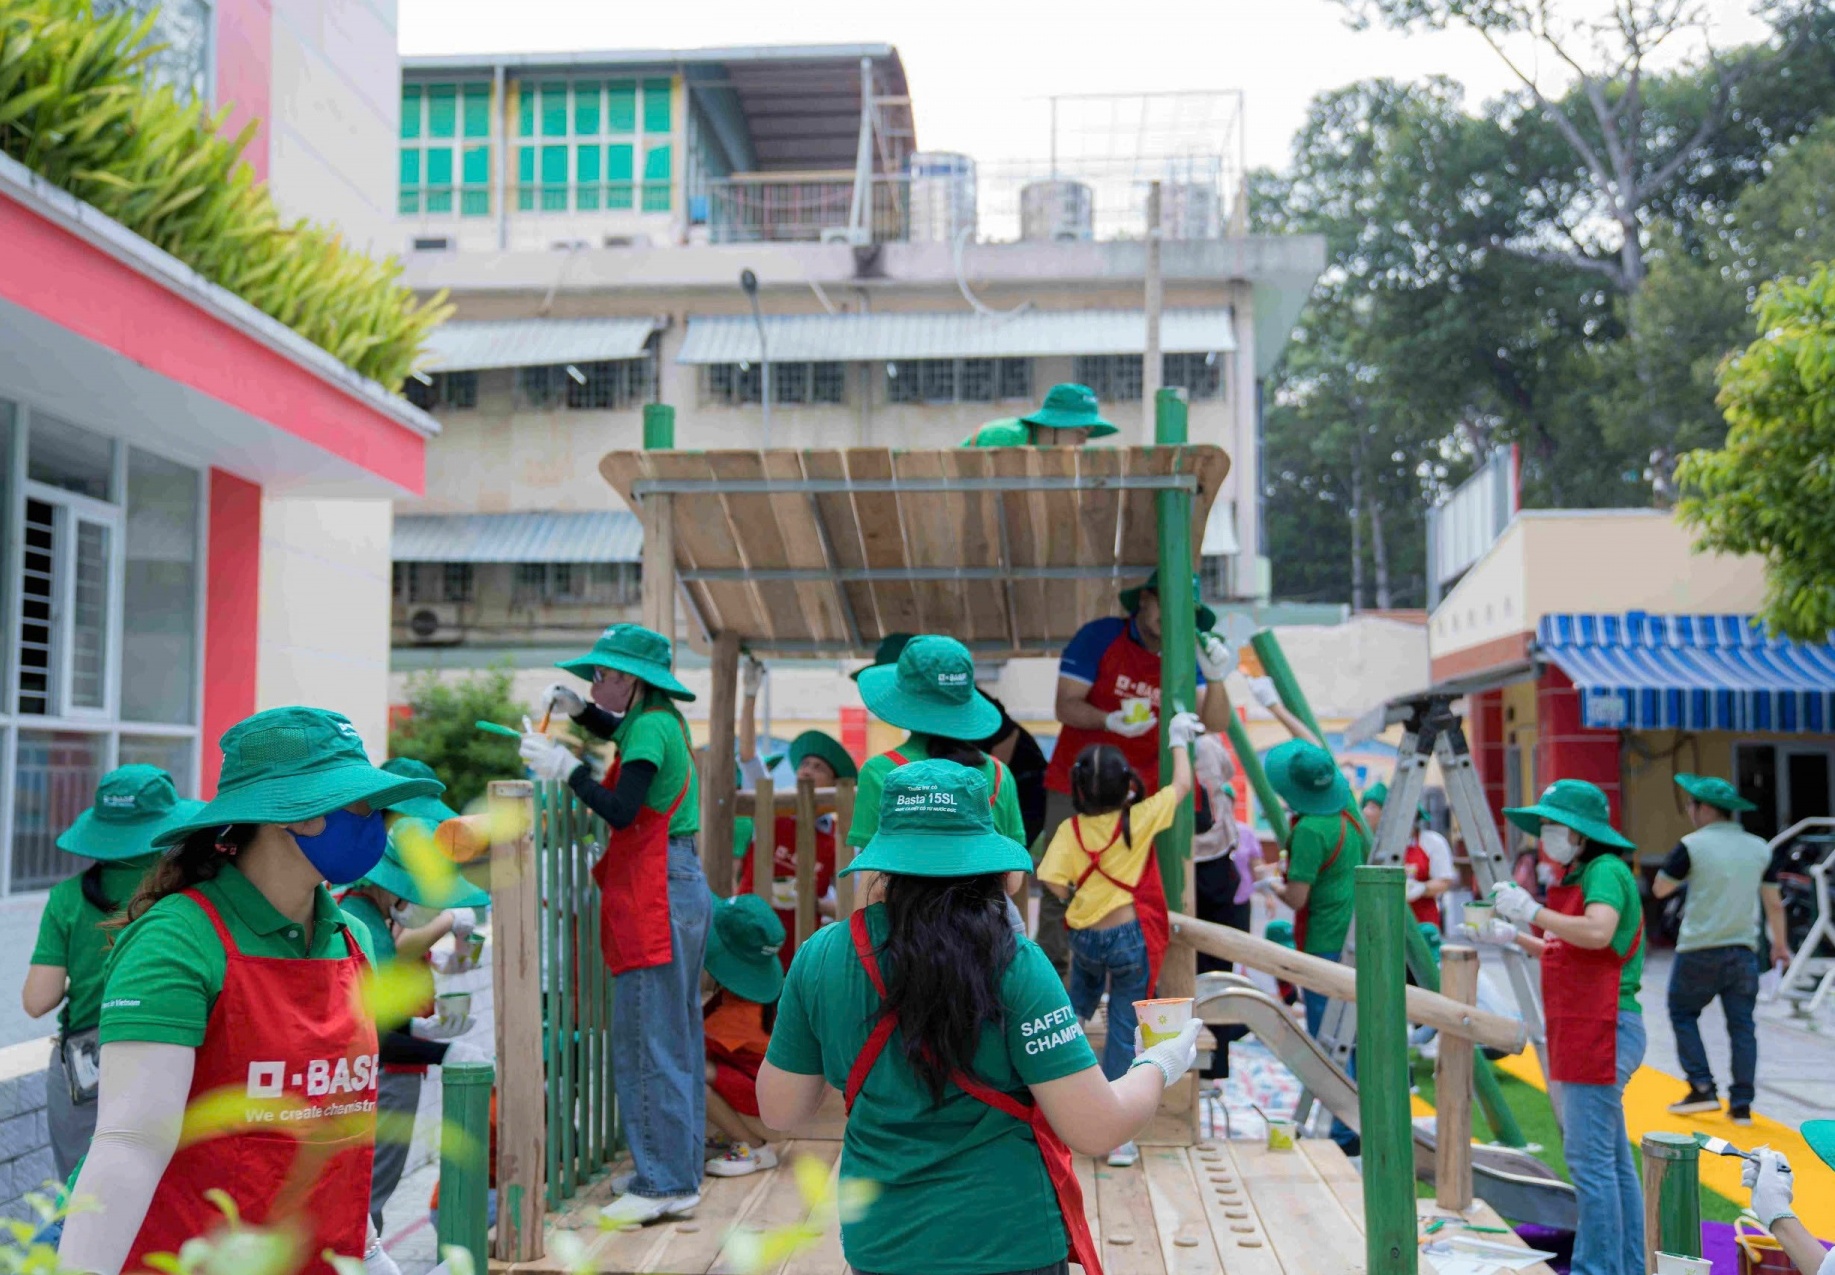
(659, 427)
(568, 906)
(1178, 635)
(1250, 763)
(1382, 1072)
(465, 1171)
(546, 818)
(1267, 649)
(1672, 1194)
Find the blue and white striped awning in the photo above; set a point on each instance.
(1691, 672)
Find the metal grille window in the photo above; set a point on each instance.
(957, 380)
(1016, 378)
(612, 385)
(1200, 375)
(735, 384)
(437, 122)
(1113, 377)
(452, 391)
(457, 582)
(585, 141)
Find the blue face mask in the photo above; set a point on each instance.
(348, 848)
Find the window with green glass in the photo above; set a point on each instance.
(446, 151)
(584, 140)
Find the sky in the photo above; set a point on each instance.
(981, 71)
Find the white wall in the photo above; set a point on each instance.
(324, 624)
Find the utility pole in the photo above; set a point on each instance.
(1150, 358)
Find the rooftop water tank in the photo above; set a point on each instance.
(942, 196)
(1056, 210)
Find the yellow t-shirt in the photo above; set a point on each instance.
(1066, 861)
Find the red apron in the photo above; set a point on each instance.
(1302, 915)
(1126, 671)
(290, 1031)
(1059, 1164)
(633, 879)
(783, 867)
(1425, 909)
(1149, 895)
(1582, 1012)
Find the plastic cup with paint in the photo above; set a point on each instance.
(474, 950)
(1136, 711)
(1676, 1264)
(1281, 1133)
(452, 1007)
(1478, 915)
(1162, 1020)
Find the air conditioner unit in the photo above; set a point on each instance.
(432, 625)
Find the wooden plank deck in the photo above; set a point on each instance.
(1230, 1207)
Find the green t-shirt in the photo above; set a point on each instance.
(370, 922)
(871, 787)
(167, 967)
(1607, 880)
(1310, 862)
(1011, 432)
(962, 1187)
(70, 935)
(660, 737)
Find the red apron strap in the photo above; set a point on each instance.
(216, 919)
(998, 770)
(898, 758)
(883, 1029)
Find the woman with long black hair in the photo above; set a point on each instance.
(967, 1078)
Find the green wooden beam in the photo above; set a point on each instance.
(1178, 636)
(465, 1141)
(1382, 1072)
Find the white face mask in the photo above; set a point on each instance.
(411, 916)
(1558, 843)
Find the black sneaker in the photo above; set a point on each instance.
(1741, 1113)
(1697, 1100)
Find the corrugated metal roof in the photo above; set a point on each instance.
(608, 536)
(480, 344)
(872, 337)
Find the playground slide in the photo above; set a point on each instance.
(1515, 1183)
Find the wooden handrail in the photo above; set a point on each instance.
(745, 804)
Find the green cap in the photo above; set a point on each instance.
(936, 820)
(427, 809)
(1011, 432)
(1307, 778)
(890, 647)
(1820, 1134)
(133, 804)
(931, 690)
(285, 765)
(815, 743)
(391, 873)
(1572, 803)
(1712, 790)
(631, 648)
(1071, 406)
(1131, 600)
(743, 944)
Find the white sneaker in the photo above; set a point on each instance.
(640, 1210)
(1124, 1156)
(741, 1159)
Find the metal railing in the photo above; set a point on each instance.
(799, 210)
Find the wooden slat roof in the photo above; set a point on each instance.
(825, 552)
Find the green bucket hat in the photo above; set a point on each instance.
(133, 805)
(631, 648)
(1820, 1134)
(1280, 931)
(1307, 778)
(815, 743)
(931, 690)
(1131, 600)
(1712, 790)
(284, 765)
(1572, 803)
(890, 647)
(1071, 406)
(935, 820)
(427, 809)
(743, 944)
(391, 874)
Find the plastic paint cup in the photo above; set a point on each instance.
(1161, 1020)
(474, 949)
(452, 1007)
(1136, 711)
(1676, 1264)
(1478, 914)
(1281, 1133)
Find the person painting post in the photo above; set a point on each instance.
(1592, 956)
(1428, 858)
(237, 971)
(1119, 928)
(133, 804)
(967, 1079)
(1731, 879)
(743, 947)
(654, 906)
(1767, 1174)
(1070, 416)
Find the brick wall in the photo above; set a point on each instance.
(25, 1138)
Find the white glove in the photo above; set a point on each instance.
(376, 1260)
(564, 698)
(1173, 1057)
(752, 676)
(438, 1029)
(1183, 729)
(1495, 932)
(1515, 904)
(1269, 885)
(1414, 889)
(1214, 657)
(1770, 1179)
(1131, 730)
(462, 1052)
(547, 759)
(464, 921)
(1265, 694)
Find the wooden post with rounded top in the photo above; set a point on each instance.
(1453, 1087)
(516, 992)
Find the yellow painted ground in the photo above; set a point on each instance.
(1647, 1098)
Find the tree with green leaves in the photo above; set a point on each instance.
(441, 730)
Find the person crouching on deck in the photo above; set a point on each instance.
(742, 962)
(1118, 924)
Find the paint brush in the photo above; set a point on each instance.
(492, 728)
(1720, 1146)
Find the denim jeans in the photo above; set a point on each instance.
(1115, 959)
(1731, 973)
(1610, 1240)
(1315, 1003)
(659, 1063)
